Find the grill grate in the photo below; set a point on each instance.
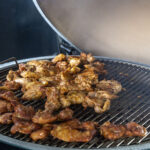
(133, 104)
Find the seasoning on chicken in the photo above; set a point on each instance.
(6, 118)
(58, 58)
(23, 112)
(5, 106)
(112, 132)
(34, 93)
(24, 127)
(42, 133)
(74, 131)
(52, 102)
(74, 61)
(112, 86)
(99, 100)
(10, 85)
(12, 75)
(44, 117)
(8, 95)
(72, 97)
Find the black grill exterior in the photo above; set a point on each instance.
(133, 104)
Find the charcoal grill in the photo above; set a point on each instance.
(133, 104)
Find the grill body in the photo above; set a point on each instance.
(133, 104)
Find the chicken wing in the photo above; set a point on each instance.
(74, 131)
(6, 118)
(41, 133)
(112, 132)
(8, 95)
(5, 106)
(112, 86)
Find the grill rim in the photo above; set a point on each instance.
(34, 146)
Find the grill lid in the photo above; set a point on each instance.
(111, 28)
(132, 105)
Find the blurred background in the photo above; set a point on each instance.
(23, 32)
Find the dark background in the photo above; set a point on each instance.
(24, 33)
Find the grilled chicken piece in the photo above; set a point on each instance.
(41, 133)
(62, 65)
(34, 93)
(65, 114)
(12, 75)
(99, 100)
(99, 105)
(44, 117)
(72, 97)
(112, 86)
(8, 95)
(86, 79)
(10, 85)
(74, 61)
(112, 132)
(86, 58)
(74, 131)
(5, 106)
(30, 74)
(23, 112)
(52, 102)
(6, 118)
(134, 129)
(24, 127)
(58, 58)
(26, 67)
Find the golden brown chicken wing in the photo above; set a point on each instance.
(112, 86)
(6, 118)
(5, 106)
(24, 127)
(41, 133)
(74, 131)
(112, 132)
(8, 95)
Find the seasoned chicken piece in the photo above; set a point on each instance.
(6, 118)
(112, 132)
(112, 86)
(49, 81)
(86, 58)
(34, 93)
(97, 67)
(99, 105)
(86, 79)
(74, 131)
(24, 127)
(23, 112)
(8, 95)
(44, 117)
(102, 95)
(72, 97)
(62, 65)
(30, 74)
(10, 85)
(65, 114)
(99, 100)
(74, 61)
(12, 75)
(52, 102)
(58, 58)
(26, 67)
(134, 129)
(41, 133)
(5, 106)
(23, 81)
